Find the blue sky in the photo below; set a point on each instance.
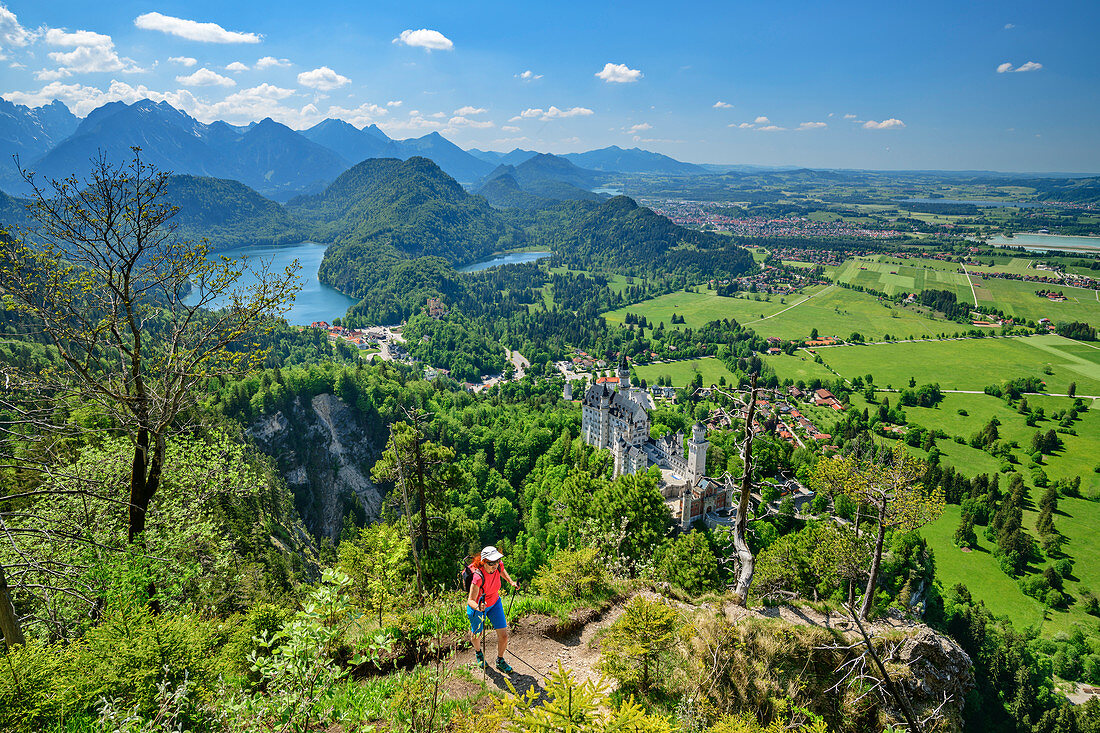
(934, 85)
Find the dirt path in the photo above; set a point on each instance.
(536, 646)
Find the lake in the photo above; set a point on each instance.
(1043, 242)
(511, 258)
(314, 302)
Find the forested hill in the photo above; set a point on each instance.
(410, 205)
(230, 214)
(621, 236)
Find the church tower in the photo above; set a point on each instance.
(697, 452)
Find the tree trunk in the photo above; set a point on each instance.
(745, 559)
(896, 692)
(422, 491)
(403, 485)
(138, 471)
(9, 622)
(869, 596)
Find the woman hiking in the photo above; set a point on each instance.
(484, 600)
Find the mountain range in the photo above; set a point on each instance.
(267, 156)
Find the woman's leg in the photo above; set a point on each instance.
(502, 641)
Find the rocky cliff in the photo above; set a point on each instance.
(325, 451)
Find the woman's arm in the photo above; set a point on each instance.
(474, 599)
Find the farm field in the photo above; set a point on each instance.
(893, 276)
(972, 364)
(682, 372)
(1017, 298)
(832, 310)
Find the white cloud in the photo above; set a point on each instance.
(236, 66)
(771, 128)
(884, 125)
(510, 128)
(268, 61)
(394, 103)
(192, 30)
(1028, 66)
(762, 120)
(553, 113)
(811, 125)
(52, 74)
(468, 110)
(415, 123)
(425, 38)
(741, 126)
(528, 76)
(204, 77)
(849, 116)
(639, 127)
(1009, 26)
(58, 37)
(11, 32)
(460, 121)
(83, 99)
(89, 59)
(184, 60)
(323, 78)
(722, 105)
(618, 73)
(361, 116)
(437, 115)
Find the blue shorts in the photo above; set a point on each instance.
(495, 613)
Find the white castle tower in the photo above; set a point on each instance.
(624, 376)
(697, 452)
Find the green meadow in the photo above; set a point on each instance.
(1017, 298)
(832, 310)
(973, 364)
(893, 276)
(683, 372)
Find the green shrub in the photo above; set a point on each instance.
(122, 660)
(574, 575)
(243, 632)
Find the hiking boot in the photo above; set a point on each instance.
(480, 657)
(504, 666)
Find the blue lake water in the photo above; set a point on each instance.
(512, 258)
(1043, 242)
(315, 302)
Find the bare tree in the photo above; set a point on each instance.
(746, 561)
(137, 316)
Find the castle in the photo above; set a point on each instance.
(615, 416)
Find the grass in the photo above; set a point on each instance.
(832, 310)
(972, 364)
(796, 367)
(1017, 298)
(978, 571)
(682, 372)
(893, 276)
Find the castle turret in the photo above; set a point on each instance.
(623, 375)
(605, 420)
(697, 452)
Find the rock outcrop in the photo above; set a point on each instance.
(325, 450)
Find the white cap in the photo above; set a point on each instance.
(491, 554)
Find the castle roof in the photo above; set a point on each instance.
(621, 404)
